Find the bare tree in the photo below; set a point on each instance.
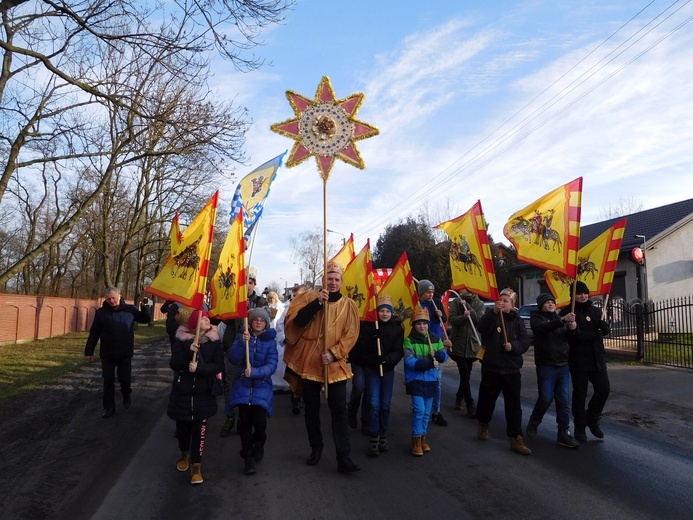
(624, 206)
(308, 251)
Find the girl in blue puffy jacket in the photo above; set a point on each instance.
(252, 390)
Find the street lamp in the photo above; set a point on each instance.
(642, 271)
(338, 233)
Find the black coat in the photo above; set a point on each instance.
(115, 328)
(496, 359)
(586, 341)
(365, 351)
(191, 396)
(550, 339)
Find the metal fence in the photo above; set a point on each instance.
(657, 332)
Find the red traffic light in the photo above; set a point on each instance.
(637, 255)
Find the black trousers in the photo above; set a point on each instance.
(108, 371)
(601, 387)
(336, 401)
(492, 384)
(191, 437)
(464, 367)
(252, 426)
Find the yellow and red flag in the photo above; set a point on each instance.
(346, 254)
(183, 277)
(402, 289)
(357, 284)
(227, 287)
(596, 265)
(547, 232)
(471, 260)
(380, 276)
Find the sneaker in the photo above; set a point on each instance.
(383, 445)
(249, 468)
(532, 426)
(565, 439)
(593, 425)
(518, 444)
(482, 431)
(437, 418)
(227, 428)
(373, 450)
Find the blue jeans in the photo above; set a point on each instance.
(439, 392)
(421, 414)
(379, 392)
(553, 383)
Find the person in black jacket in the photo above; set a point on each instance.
(114, 326)
(551, 360)
(170, 309)
(505, 339)
(378, 389)
(191, 401)
(588, 364)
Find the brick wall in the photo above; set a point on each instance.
(25, 318)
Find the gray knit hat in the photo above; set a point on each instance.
(424, 285)
(259, 312)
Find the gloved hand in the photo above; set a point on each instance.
(423, 364)
(440, 356)
(382, 360)
(377, 333)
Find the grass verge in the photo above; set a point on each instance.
(26, 366)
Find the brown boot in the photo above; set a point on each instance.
(196, 473)
(183, 461)
(518, 444)
(416, 446)
(458, 403)
(482, 431)
(424, 445)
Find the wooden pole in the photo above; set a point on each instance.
(324, 277)
(247, 344)
(380, 350)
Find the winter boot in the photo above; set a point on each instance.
(196, 473)
(373, 450)
(424, 445)
(518, 444)
(258, 451)
(383, 445)
(565, 439)
(482, 431)
(532, 426)
(580, 434)
(593, 425)
(183, 461)
(416, 445)
(471, 411)
(227, 428)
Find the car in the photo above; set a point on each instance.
(525, 312)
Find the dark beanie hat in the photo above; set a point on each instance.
(581, 288)
(543, 298)
(425, 285)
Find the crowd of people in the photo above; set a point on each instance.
(316, 344)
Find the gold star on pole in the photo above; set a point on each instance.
(325, 128)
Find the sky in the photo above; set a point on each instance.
(498, 101)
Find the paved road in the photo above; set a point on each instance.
(124, 468)
(634, 473)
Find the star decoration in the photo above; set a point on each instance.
(325, 128)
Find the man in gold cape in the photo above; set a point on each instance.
(307, 357)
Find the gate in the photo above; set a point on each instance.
(657, 332)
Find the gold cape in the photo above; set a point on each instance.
(304, 346)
